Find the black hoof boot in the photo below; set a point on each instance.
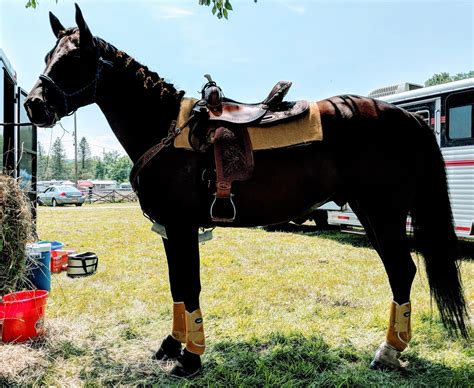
(170, 349)
(187, 365)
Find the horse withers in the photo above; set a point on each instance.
(359, 160)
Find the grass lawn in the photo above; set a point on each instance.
(305, 308)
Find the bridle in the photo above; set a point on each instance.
(66, 96)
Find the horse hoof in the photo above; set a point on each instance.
(377, 365)
(188, 365)
(170, 349)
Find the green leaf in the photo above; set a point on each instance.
(228, 5)
(225, 13)
(214, 9)
(219, 15)
(31, 4)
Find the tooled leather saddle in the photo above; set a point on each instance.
(221, 123)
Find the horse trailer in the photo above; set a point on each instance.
(18, 137)
(449, 110)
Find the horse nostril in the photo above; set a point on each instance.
(35, 109)
(33, 101)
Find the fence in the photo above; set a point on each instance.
(111, 196)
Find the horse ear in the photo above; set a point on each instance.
(85, 33)
(56, 25)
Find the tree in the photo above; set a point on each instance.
(58, 160)
(220, 8)
(99, 168)
(84, 159)
(44, 170)
(444, 77)
(109, 159)
(120, 170)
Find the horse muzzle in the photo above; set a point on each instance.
(38, 112)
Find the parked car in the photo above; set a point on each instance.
(61, 195)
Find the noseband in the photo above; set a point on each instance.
(66, 96)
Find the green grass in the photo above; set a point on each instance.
(281, 309)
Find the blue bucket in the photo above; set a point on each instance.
(39, 262)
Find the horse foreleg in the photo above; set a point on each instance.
(182, 252)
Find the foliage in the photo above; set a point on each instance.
(116, 167)
(84, 159)
(44, 169)
(444, 77)
(120, 170)
(58, 161)
(300, 309)
(100, 169)
(54, 165)
(220, 8)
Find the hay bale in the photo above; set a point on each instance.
(16, 230)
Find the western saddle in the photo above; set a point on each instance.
(222, 123)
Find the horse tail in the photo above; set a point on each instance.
(435, 235)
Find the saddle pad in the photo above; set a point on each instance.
(299, 131)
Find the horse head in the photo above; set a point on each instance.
(72, 73)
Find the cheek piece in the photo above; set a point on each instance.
(65, 108)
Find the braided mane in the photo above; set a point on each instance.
(151, 81)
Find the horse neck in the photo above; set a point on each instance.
(138, 105)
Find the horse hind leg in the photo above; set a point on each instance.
(388, 235)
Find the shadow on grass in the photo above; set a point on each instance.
(329, 232)
(465, 246)
(278, 360)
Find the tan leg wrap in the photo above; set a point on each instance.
(179, 322)
(195, 342)
(399, 329)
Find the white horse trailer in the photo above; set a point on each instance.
(449, 110)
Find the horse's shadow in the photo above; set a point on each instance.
(284, 360)
(465, 246)
(275, 360)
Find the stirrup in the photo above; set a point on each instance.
(223, 219)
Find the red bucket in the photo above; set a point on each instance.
(23, 315)
(57, 261)
(65, 258)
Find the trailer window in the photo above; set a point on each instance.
(460, 119)
(460, 122)
(425, 115)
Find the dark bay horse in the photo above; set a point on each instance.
(372, 155)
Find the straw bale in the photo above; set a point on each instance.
(16, 230)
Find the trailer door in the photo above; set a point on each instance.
(26, 148)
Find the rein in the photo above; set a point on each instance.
(173, 132)
(65, 96)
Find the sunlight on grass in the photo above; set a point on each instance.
(280, 308)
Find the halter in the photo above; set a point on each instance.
(93, 84)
